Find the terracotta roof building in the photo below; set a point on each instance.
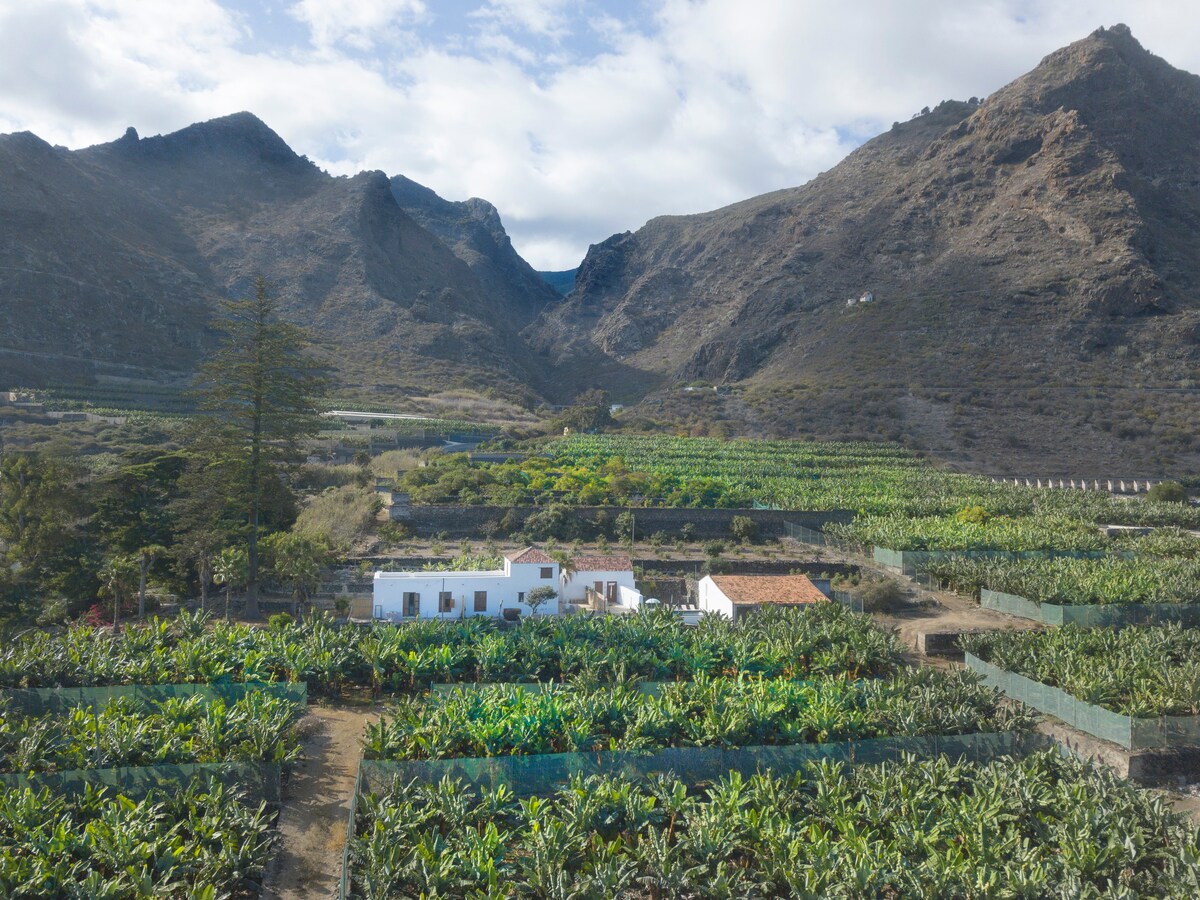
(735, 595)
(529, 555)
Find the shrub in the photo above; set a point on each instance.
(744, 529)
(557, 521)
(882, 595)
(1167, 492)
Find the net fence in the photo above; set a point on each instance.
(542, 775)
(48, 701)
(258, 780)
(1161, 732)
(1117, 615)
(910, 562)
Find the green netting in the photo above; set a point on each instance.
(544, 773)
(46, 701)
(344, 883)
(259, 780)
(909, 562)
(1115, 615)
(1130, 733)
(646, 687)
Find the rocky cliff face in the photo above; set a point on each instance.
(114, 257)
(472, 230)
(1033, 261)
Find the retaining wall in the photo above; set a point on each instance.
(470, 521)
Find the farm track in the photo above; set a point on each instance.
(931, 611)
(307, 861)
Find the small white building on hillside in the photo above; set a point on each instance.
(453, 595)
(733, 596)
(602, 583)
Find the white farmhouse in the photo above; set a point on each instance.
(602, 583)
(733, 596)
(454, 595)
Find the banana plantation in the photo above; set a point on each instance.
(829, 640)
(206, 841)
(1043, 826)
(724, 712)
(1137, 671)
(256, 728)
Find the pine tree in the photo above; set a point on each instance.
(260, 391)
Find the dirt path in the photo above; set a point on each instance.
(312, 823)
(927, 611)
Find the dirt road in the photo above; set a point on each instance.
(312, 823)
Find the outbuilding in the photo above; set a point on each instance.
(733, 596)
(602, 583)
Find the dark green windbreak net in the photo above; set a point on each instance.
(46, 701)
(545, 773)
(260, 781)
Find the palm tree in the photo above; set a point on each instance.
(230, 569)
(145, 559)
(117, 580)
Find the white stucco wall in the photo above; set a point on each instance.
(503, 589)
(710, 598)
(577, 584)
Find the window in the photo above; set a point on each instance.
(446, 602)
(481, 601)
(547, 571)
(520, 596)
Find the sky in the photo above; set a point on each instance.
(577, 119)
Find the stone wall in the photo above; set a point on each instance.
(472, 521)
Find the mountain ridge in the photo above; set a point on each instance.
(1042, 240)
(1031, 263)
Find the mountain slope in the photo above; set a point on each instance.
(113, 259)
(473, 232)
(1033, 261)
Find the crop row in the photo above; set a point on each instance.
(256, 728)
(709, 712)
(1142, 672)
(1069, 581)
(206, 841)
(825, 640)
(1044, 826)
(870, 477)
(1000, 533)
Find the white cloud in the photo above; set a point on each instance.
(546, 18)
(359, 24)
(705, 103)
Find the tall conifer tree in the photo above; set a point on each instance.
(260, 391)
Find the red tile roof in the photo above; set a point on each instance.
(782, 589)
(530, 555)
(603, 564)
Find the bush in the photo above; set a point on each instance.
(1167, 492)
(557, 521)
(280, 621)
(883, 595)
(714, 549)
(744, 529)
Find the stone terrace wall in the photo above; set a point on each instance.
(469, 521)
